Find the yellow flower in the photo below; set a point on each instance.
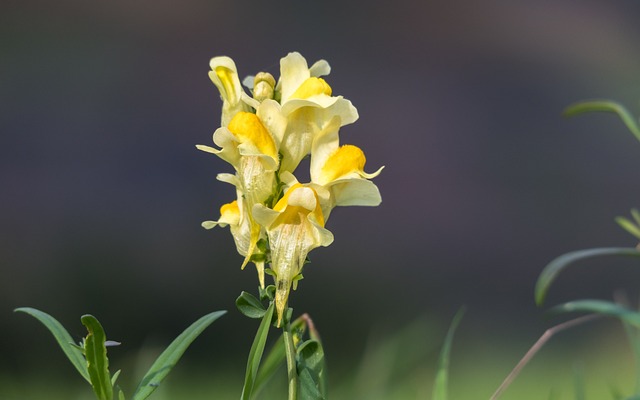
(295, 226)
(295, 117)
(224, 75)
(235, 214)
(308, 105)
(340, 171)
(249, 145)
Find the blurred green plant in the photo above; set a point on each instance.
(89, 357)
(629, 317)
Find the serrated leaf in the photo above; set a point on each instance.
(442, 375)
(606, 106)
(170, 356)
(601, 307)
(97, 362)
(311, 370)
(64, 339)
(249, 306)
(551, 271)
(255, 354)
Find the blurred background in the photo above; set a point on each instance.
(102, 190)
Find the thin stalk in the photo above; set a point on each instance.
(290, 353)
(548, 334)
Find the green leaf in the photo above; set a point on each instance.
(115, 376)
(268, 293)
(64, 339)
(255, 354)
(249, 306)
(276, 356)
(270, 364)
(636, 215)
(168, 359)
(97, 362)
(601, 307)
(606, 106)
(629, 226)
(311, 370)
(551, 271)
(308, 386)
(442, 375)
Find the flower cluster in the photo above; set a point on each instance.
(275, 219)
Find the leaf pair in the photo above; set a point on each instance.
(91, 360)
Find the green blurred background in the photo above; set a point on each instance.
(102, 190)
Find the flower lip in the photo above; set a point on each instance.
(312, 87)
(224, 75)
(247, 127)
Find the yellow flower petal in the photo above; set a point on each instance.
(230, 213)
(246, 127)
(342, 161)
(226, 77)
(311, 87)
(295, 201)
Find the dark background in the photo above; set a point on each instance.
(102, 190)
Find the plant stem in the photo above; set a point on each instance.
(548, 334)
(290, 353)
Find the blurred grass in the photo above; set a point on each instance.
(399, 365)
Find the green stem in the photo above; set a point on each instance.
(290, 353)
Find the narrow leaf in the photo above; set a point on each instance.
(551, 271)
(168, 359)
(629, 226)
(442, 375)
(64, 339)
(636, 215)
(96, 354)
(601, 307)
(255, 354)
(271, 363)
(250, 306)
(115, 376)
(606, 106)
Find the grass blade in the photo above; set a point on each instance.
(168, 359)
(64, 339)
(600, 307)
(97, 361)
(606, 106)
(255, 354)
(556, 266)
(442, 376)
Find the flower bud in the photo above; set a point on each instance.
(263, 86)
